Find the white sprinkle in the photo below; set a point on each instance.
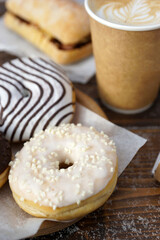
(111, 169)
(34, 179)
(38, 162)
(47, 189)
(51, 171)
(56, 178)
(83, 193)
(69, 169)
(10, 163)
(28, 190)
(73, 177)
(42, 194)
(67, 161)
(10, 178)
(46, 200)
(90, 191)
(35, 170)
(111, 143)
(90, 184)
(44, 160)
(80, 169)
(28, 164)
(77, 185)
(42, 136)
(44, 170)
(48, 178)
(41, 182)
(54, 207)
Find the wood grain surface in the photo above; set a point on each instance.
(133, 210)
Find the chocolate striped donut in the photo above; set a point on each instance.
(34, 94)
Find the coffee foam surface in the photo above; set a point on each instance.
(131, 12)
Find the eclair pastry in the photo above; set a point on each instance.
(60, 28)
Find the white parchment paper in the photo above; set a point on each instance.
(156, 164)
(16, 224)
(12, 43)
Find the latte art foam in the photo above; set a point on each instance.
(132, 12)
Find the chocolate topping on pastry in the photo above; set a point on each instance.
(5, 150)
(66, 47)
(22, 19)
(86, 40)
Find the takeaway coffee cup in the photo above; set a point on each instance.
(126, 45)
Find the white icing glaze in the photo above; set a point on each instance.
(35, 173)
(35, 94)
(132, 12)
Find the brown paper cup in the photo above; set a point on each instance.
(127, 63)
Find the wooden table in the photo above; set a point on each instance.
(133, 210)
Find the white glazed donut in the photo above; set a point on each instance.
(64, 172)
(35, 94)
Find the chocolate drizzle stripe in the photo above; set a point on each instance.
(62, 118)
(30, 97)
(38, 110)
(42, 93)
(1, 114)
(55, 103)
(58, 111)
(3, 119)
(19, 99)
(10, 77)
(54, 72)
(4, 80)
(52, 64)
(15, 106)
(9, 96)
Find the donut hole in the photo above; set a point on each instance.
(64, 165)
(25, 93)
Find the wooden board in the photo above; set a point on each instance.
(89, 103)
(50, 226)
